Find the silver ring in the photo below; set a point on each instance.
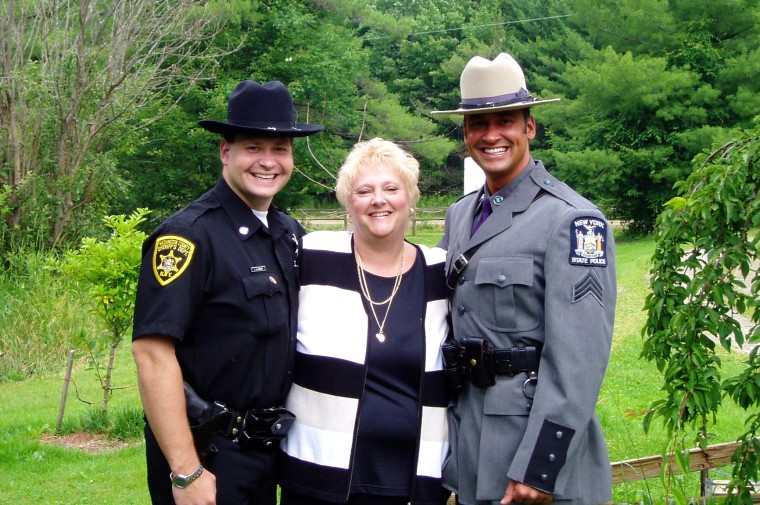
(532, 377)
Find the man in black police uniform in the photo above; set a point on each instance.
(216, 309)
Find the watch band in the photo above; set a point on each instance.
(182, 481)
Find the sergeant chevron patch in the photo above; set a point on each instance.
(588, 285)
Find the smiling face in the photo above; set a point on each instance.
(257, 168)
(379, 204)
(499, 144)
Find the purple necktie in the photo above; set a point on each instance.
(484, 213)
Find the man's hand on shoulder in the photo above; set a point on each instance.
(517, 492)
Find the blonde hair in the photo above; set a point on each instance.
(373, 153)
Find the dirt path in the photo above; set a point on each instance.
(92, 443)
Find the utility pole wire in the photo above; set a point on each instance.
(476, 26)
(364, 112)
(314, 157)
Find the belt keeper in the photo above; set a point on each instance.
(515, 360)
(519, 361)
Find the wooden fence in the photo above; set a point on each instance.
(699, 461)
(632, 470)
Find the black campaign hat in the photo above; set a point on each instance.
(257, 109)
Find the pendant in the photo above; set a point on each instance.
(380, 336)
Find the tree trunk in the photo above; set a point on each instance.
(107, 382)
(71, 72)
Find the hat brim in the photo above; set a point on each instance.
(482, 110)
(222, 128)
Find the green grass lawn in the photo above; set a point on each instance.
(33, 472)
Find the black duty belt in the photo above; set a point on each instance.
(472, 359)
(254, 428)
(261, 428)
(514, 360)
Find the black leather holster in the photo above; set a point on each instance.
(473, 359)
(255, 428)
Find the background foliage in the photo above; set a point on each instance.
(646, 85)
(704, 295)
(99, 101)
(104, 274)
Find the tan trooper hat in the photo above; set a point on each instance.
(492, 86)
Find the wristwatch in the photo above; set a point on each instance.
(182, 481)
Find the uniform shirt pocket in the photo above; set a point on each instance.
(505, 293)
(267, 304)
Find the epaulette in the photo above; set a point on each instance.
(190, 214)
(564, 192)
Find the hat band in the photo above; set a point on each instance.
(497, 101)
(274, 126)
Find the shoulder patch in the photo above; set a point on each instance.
(588, 242)
(172, 255)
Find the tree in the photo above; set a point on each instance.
(633, 109)
(660, 82)
(72, 74)
(170, 161)
(104, 275)
(704, 281)
(646, 85)
(320, 52)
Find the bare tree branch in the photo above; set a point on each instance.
(71, 71)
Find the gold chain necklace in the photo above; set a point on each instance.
(380, 336)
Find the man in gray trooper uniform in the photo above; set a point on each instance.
(532, 267)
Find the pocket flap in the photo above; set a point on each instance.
(505, 271)
(260, 284)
